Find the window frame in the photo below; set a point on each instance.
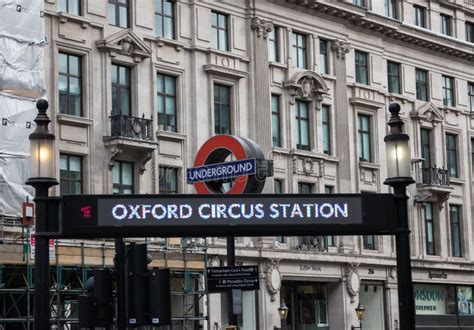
(420, 83)
(358, 55)
(369, 242)
(309, 185)
(361, 133)
(163, 19)
(446, 24)
(121, 186)
(165, 96)
(455, 228)
(391, 8)
(430, 246)
(68, 179)
(276, 114)
(220, 130)
(117, 4)
(420, 20)
(470, 94)
(426, 145)
(297, 48)
(164, 171)
(324, 57)
(68, 76)
(119, 87)
(217, 44)
(274, 45)
(391, 76)
(67, 9)
(452, 154)
(326, 128)
(359, 3)
(299, 120)
(448, 90)
(469, 31)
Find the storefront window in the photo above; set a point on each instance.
(434, 299)
(465, 300)
(307, 305)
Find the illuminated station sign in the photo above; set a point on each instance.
(246, 215)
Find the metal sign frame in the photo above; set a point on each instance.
(88, 216)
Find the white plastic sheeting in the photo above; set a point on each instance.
(22, 43)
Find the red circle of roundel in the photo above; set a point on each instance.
(221, 142)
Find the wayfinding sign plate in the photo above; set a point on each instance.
(86, 216)
(221, 279)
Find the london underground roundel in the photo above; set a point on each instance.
(246, 171)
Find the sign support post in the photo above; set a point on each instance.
(120, 269)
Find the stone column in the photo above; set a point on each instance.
(343, 141)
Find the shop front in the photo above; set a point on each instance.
(444, 306)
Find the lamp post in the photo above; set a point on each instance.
(283, 311)
(41, 178)
(360, 310)
(399, 177)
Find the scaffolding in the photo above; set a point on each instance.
(72, 263)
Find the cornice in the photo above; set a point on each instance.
(393, 29)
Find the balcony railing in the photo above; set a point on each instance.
(317, 243)
(131, 127)
(435, 176)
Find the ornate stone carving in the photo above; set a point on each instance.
(113, 153)
(272, 277)
(308, 166)
(351, 273)
(341, 48)
(306, 85)
(214, 261)
(393, 273)
(125, 42)
(262, 27)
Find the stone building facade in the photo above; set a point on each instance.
(135, 87)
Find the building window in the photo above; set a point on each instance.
(302, 123)
(362, 73)
(220, 33)
(448, 91)
(429, 228)
(221, 109)
(164, 18)
(369, 242)
(168, 180)
(121, 100)
(299, 50)
(118, 13)
(323, 57)
(70, 85)
(470, 32)
(166, 102)
(276, 137)
(329, 240)
(472, 156)
(455, 226)
(452, 154)
(365, 143)
(273, 46)
(471, 95)
(445, 24)
(421, 85)
(393, 73)
(326, 123)
(70, 169)
(360, 3)
(278, 186)
(426, 147)
(420, 16)
(305, 188)
(72, 7)
(122, 178)
(391, 8)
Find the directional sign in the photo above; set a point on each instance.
(221, 279)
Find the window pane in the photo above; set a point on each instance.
(169, 85)
(63, 162)
(168, 6)
(116, 173)
(127, 174)
(124, 102)
(158, 6)
(168, 28)
(222, 40)
(159, 25)
(170, 106)
(114, 73)
(123, 75)
(304, 131)
(112, 20)
(62, 63)
(123, 17)
(74, 65)
(214, 42)
(222, 21)
(75, 163)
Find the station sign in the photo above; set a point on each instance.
(220, 215)
(223, 279)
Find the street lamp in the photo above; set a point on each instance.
(41, 178)
(283, 311)
(399, 177)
